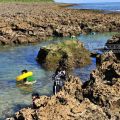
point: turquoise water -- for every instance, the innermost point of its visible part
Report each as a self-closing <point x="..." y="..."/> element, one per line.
<point x="114" y="6"/>
<point x="14" y="59"/>
<point x="92" y="42"/>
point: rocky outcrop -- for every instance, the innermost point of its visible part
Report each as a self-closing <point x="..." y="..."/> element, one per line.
<point x="103" y="89"/>
<point x="67" y="104"/>
<point x="70" y="52"/>
<point x="108" y="64"/>
<point x="106" y="96"/>
<point x="77" y="101"/>
<point x="29" y="23"/>
<point x="75" y="104"/>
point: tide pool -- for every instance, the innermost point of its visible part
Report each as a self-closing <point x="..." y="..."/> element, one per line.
<point x="13" y="60"/>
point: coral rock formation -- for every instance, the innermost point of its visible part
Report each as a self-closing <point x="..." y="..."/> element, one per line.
<point x="70" y="52"/>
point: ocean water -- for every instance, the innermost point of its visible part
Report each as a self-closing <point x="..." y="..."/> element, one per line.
<point x="93" y="42"/>
<point x="14" y="96"/>
<point x="114" y="6"/>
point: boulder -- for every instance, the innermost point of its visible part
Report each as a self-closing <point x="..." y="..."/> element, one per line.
<point x="71" y="51"/>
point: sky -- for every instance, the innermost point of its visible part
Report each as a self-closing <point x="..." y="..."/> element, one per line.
<point x="86" y="1"/>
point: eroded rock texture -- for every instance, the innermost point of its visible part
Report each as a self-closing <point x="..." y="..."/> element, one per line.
<point x="30" y="23"/>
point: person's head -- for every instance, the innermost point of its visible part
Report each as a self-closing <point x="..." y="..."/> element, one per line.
<point x="35" y="95"/>
<point x="24" y="71"/>
<point x="65" y="56"/>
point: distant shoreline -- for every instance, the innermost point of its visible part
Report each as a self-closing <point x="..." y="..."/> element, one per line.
<point x="114" y="7"/>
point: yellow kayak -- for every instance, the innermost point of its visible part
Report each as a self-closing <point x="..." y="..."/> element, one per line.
<point x="24" y="75"/>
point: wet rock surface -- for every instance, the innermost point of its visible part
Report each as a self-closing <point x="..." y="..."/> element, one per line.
<point x="70" y="54"/>
<point x="64" y="105"/>
<point x="68" y="105"/>
<point x="103" y="88"/>
<point x="113" y="44"/>
<point x="103" y="103"/>
<point x="22" y="23"/>
<point x="114" y="40"/>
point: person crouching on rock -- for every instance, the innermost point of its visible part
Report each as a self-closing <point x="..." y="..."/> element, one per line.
<point x="57" y="85"/>
<point x="59" y="78"/>
<point x="34" y="97"/>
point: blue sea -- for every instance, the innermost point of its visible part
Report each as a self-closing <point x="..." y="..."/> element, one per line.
<point x="114" y="6"/>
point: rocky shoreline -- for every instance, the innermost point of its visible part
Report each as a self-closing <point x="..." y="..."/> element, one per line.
<point x="22" y="23"/>
<point x="98" y="98"/>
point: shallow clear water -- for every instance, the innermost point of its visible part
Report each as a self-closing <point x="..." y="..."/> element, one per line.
<point x="92" y="42"/>
<point x="115" y="6"/>
<point x="14" y="59"/>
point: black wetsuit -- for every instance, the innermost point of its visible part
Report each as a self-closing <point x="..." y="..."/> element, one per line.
<point x="58" y="81"/>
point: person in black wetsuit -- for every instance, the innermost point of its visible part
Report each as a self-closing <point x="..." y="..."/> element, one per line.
<point x="59" y="78"/>
<point x="60" y="74"/>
